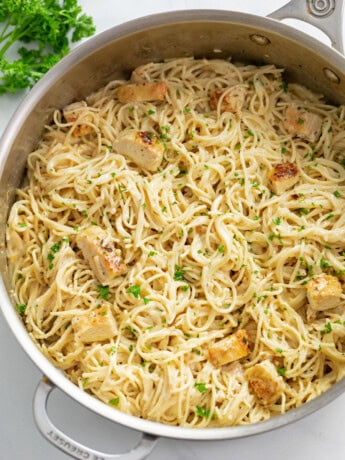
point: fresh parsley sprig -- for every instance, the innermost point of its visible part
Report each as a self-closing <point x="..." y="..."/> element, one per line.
<point x="45" y="25"/>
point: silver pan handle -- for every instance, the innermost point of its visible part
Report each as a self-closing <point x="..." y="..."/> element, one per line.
<point x="327" y="15"/>
<point x="74" y="448"/>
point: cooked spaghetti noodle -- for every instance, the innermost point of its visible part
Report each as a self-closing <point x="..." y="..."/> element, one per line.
<point x="209" y="248"/>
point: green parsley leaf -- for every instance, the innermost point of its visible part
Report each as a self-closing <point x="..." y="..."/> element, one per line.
<point x="302" y="211"/>
<point x="324" y="264"/>
<point x="337" y="194"/>
<point x="21" y="308"/>
<point x="221" y="248"/>
<point x="186" y="109"/>
<point x="327" y="329"/>
<point x="329" y="216"/>
<point x="151" y="112"/>
<point x="185" y="288"/>
<point x="152" y="253"/>
<point x="300" y="121"/>
<point x="281" y="371"/>
<point x="146" y="300"/>
<point x="134" y="290"/>
<point x="46" y="28"/>
<point x="283" y="150"/>
<point x="103" y="292"/>
<point x="202" y="412"/>
<point x="114" y="402"/>
<point x="200" y="387"/>
<point x="277" y="221"/>
<point x="284" y="86"/>
<point x="131" y="330"/>
<point x="279" y="350"/>
<point x="179" y="273"/>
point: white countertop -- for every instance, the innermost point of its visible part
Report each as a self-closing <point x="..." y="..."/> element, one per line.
<point x="316" y="437"/>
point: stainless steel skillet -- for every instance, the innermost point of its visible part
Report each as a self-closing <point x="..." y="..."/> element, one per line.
<point x="112" y="54"/>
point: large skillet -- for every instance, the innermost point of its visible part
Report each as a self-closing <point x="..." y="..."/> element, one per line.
<point x="114" y="54"/>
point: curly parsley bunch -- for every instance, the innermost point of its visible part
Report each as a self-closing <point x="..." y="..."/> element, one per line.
<point x="45" y="25"/>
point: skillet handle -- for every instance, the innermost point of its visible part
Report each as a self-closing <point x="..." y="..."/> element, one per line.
<point x="326" y="15"/>
<point x="73" y="448"/>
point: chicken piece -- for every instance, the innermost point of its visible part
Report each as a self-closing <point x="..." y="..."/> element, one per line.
<point x="95" y="326"/>
<point x="229" y="349"/>
<point x="282" y="177"/>
<point x="100" y="252"/>
<point x="138" y="75"/>
<point x="143" y="148"/>
<point x="301" y="123"/>
<point x="71" y="114"/>
<point x="142" y="92"/>
<point x="232" y="101"/>
<point x="265" y="382"/>
<point x="323" y="292"/>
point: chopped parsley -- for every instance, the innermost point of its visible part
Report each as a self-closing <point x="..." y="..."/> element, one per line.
<point x="337" y="194"/>
<point x="21" y="308"/>
<point x="284" y="86"/>
<point x="103" y="292"/>
<point x="202" y="412"/>
<point x="281" y="371"/>
<point x="179" y="273"/>
<point x="250" y="132"/>
<point x="152" y="253"/>
<point x="200" y="387"/>
<point x="151" y="112"/>
<point x="302" y="211"/>
<point x="283" y="150"/>
<point x="131" y="347"/>
<point x="327" y="329"/>
<point x="135" y="290"/>
<point x="146" y="300"/>
<point x="221" y="248"/>
<point x="324" y="264"/>
<point x="329" y="216"/>
<point x="277" y="221"/>
<point x="255" y="184"/>
<point x="121" y="190"/>
<point x="186" y="109"/>
<point x="114" y="402"/>
<point x="279" y="350"/>
<point x="131" y="330"/>
<point x="185" y="288"/>
<point x="300" y="121"/>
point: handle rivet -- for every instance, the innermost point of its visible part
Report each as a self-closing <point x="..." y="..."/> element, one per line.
<point x="331" y="75"/>
<point x="260" y="39"/>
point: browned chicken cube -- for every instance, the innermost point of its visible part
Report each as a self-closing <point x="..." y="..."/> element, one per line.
<point x="142" y="92"/>
<point x="144" y="148"/>
<point x="99" y="251"/>
<point x="232" y="101"/>
<point x="94" y="326"/>
<point x="282" y="177"/>
<point x="71" y="114"/>
<point x="303" y="124"/>
<point x="324" y="292"/>
<point x="229" y="349"/>
<point x="264" y="380"/>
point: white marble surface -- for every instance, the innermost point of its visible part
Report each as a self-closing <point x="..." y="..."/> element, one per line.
<point x="317" y="437"/>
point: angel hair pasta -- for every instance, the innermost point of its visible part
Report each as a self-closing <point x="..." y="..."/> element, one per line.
<point x="178" y="246"/>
